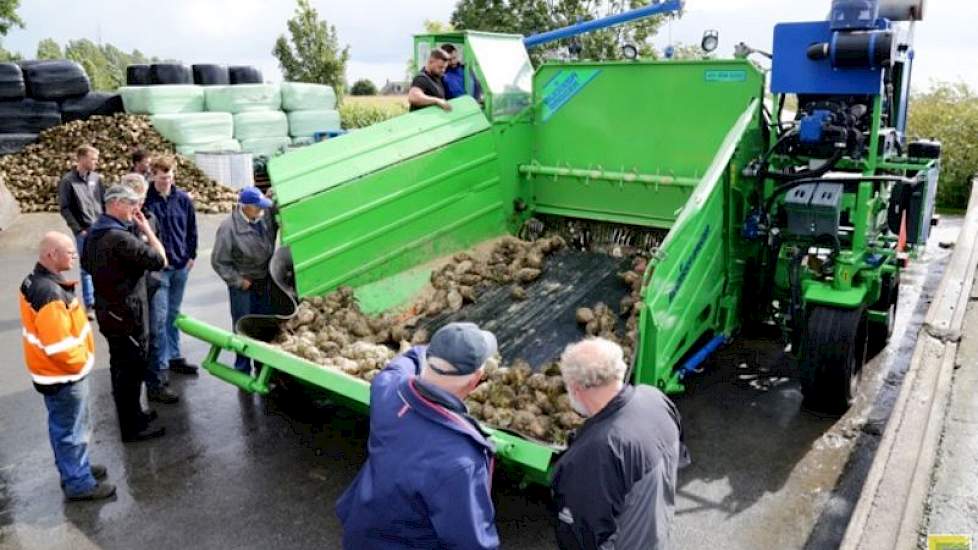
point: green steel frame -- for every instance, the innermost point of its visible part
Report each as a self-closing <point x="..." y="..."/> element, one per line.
<point x="654" y="144"/>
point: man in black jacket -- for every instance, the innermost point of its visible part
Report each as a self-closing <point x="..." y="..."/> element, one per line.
<point x="615" y="487"/>
<point x="80" y="199"/>
<point x="118" y="261"/>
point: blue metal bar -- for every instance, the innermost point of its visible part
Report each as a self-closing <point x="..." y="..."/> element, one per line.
<point x="656" y="8"/>
<point x="700" y="356"/>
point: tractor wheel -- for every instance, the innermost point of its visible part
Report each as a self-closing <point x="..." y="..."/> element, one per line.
<point x="879" y="333"/>
<point x="833" y="354"/>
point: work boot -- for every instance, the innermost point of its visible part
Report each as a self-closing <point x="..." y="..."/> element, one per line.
<point x="102" y="489"/>
<point x="182" y="366"/>
<point x="162" y="395"/>
<point x="145" y="435"/>
<point x="99" y="472"/>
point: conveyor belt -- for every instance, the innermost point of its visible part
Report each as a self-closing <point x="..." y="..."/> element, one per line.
<point x="537" y="329"/>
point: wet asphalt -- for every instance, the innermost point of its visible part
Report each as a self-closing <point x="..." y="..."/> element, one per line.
<point x="242" y="471"/>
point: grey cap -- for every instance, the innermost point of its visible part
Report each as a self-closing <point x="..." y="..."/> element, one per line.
<point x="464" y="345"/>
<point x="122" y="192"/>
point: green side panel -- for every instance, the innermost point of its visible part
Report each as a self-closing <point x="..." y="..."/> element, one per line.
<point x="687" y="282"/>
<point x="311" y="170"/>
<point x="533" y="458"/>
<point x="379" y="201"/>
<point x="644" y="118"/>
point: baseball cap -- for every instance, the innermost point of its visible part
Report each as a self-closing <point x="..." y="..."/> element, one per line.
<point x="122" y="192"/>
<point x="253" y="196"/>
<point x="464" y="345"/>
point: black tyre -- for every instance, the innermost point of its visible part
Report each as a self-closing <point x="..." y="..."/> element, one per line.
<point x="55" y="80"/>
<point x="28" y="116"/>
<point x="244" y="74"/>
<point x="11" y="82"/>
<point x="138" y="75"/>
<point x="169" y="73"/>
<point x="833" y="353"/>
<point x="93" y="103"/>
<point x="210" y="75"/>
<point x="878" y="334"/>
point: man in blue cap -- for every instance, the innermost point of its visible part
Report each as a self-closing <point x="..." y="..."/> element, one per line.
<point x="243" y="248"/>
<point x="427" y="480"/>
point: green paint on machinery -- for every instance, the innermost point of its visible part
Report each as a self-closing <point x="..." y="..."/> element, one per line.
<point x="678" y="146"/>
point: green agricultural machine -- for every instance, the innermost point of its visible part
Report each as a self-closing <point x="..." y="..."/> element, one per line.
<point x="749" y="218"/>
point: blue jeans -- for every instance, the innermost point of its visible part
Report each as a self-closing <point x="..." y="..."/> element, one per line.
<point x="255" y="300"/>
<point x="165" y="337"/>
<point x="88" y="290"/>
<point x="158" y="371"/>
<point x="68" y="430"/>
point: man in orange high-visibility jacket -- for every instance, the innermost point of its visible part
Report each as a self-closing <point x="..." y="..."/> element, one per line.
<point x="59" y="350"/>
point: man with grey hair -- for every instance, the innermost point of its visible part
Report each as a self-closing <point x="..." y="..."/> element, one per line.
<point x="630" y="447"/>
<point x="118" y="261"/>
<point x="426" y="482"/>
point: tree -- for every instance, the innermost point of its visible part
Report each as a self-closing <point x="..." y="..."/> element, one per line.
<point x="363" y="87"/>
<point x="9" y="17"/>
<point x="314" y="54"/>
<point x="528" y="17"/>
<point x="49" y="49"/>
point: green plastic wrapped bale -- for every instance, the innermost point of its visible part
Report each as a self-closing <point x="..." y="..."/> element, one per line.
<point x="159" y="100"/>
<point x="242" y="98"/>
<point x="307" y="123"/>
<point x="194" y="128"/>
<point x="302" y="96"/>
<point x="303" y="141"/>
<point x="265" y="147"/>
<point x="231" y="145"/>
<point x="260" y="124"/>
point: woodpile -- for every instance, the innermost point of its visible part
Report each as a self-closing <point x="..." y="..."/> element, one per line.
<point x="33" y="174"/>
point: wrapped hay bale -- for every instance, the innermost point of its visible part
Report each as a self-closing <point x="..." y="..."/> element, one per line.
<point x="90" y="104"/>
<point x="307" y="123"/>
<point x="55" y="80"/>
<point x="302" y="96"/>
<point x="161" y="100"/>
<point x="227" y="145"/>
<point x="194" y="128"/>
<point x="265" y="147"/>
<point x="260" y="124"/>
<point x="242" y="98"/>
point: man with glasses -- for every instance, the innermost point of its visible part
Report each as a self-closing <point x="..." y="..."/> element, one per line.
<point x="118" y="261"/>
<point x="59" y="351"/>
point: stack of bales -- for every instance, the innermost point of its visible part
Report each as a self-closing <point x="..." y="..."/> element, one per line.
<point x="311" y="108"/>
<point x="231" y="110"/>
<point x="36" y="95"/>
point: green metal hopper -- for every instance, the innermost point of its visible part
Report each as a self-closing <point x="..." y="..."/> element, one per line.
<point x="641" y="144"/>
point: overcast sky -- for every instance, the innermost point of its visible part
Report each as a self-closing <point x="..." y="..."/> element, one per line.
<point x="379" y="31"/>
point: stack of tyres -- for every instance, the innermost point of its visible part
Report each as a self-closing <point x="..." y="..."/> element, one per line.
<point x="21" y="119"/>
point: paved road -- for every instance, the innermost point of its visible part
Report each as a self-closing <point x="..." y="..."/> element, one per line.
<point x="239" y="471"/>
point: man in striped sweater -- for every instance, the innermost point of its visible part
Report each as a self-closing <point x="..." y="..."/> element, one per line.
<point x="59" y="350"/>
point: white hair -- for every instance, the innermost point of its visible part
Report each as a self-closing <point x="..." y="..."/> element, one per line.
<point x="449" y="382"/>
<point x="136" y="182"/>
<point x="593" y="363"/>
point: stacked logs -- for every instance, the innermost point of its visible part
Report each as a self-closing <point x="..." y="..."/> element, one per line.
<point x="33" y="174"/>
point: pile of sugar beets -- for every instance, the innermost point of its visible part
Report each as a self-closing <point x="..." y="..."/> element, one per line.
<point x="333" y="332"/>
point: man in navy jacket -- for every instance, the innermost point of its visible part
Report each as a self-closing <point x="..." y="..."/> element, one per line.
<point x="427" y="480"/>
<point x="174" y="211"/>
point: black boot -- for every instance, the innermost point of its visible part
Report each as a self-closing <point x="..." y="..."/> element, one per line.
<point x="181" y="366"/>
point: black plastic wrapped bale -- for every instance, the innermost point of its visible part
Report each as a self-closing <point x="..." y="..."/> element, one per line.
<point x="138" y="75"/>
<point x="15" y="143"/>
<point x="170" y="73"/>
<point x="211" y="75"/>
<point x="28" y="116"/>
<point x="55" y="80"/>
<point x="244" y="74"/>
<point x="92" y="103"/>
<point x="11" y="82"/>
